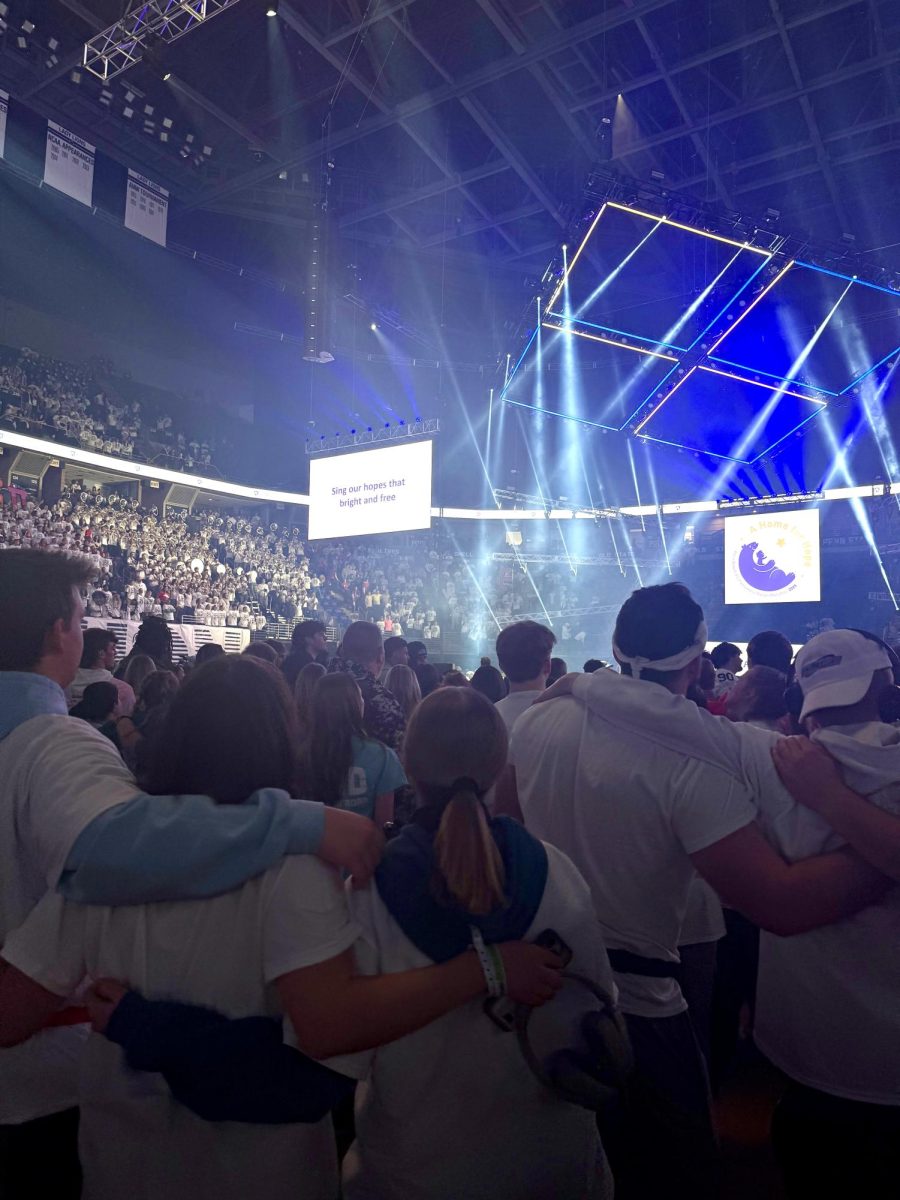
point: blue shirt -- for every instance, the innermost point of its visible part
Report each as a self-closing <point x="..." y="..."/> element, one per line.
<point x="376" y="770"/>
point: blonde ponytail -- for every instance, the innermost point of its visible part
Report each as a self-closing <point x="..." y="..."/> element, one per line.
<point x="466" y="856"/>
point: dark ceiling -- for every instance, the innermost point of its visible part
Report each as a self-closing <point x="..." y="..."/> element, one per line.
<point x="466" y="128"/>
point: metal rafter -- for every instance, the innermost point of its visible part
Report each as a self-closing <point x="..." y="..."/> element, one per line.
<point x="703" y="150"/>
<point x="825" y="9"/>
<point x="809" y="117"/>
<point x="301" y="26"/>
<point x="761" y="103"/>
<point x="428" y="192"/>
<point x="426" y="101"/>
<point x="540" y="74"/>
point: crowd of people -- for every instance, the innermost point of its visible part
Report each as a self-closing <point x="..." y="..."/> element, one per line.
<point x="565" y="907"/>
<point x="86" y="404"/>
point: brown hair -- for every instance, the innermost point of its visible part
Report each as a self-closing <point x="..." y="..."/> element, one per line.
<point x="455" y="747"/>
<point x="229" y="731"/>
<point x="263" y="651"/>
<point x="335" y="718"/>
<point x="36" y="590"/>
<point x="95" y="643"/>
<point x="523" y="648"/>
<point x="304" y="687"/>
<point x="403" y="684"/>
<point x="361" y="643"/>
<point x="455" y="678"/>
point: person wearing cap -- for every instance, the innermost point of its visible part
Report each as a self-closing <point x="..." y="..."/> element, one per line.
<point x="828" y="1002"/>
<point x="641" y="788"/>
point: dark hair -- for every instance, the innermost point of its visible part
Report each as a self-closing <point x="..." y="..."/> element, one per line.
<point x="455" y="679"/>
<point x="770" y="649"/>
<point x="36" y="590"/>
<point x="97" y="703"/>
<point x="723" y="653"/>
<point x="429" y="678"/>
<point x="489" y="682"/>
<point x="523" y="648"/>
<point x="416" y="650"/>
<point x="279" y="647"/>
<point x="335" y="719"/>
<point x="95" y="643"/>
<point x="207" y="652"/>
<point x="657" y="622"/>
<point x="361" y="643"/>
<point x="305" y="629"/>
<point x="262" y="651"/>
<point x="393" y="643"/>
<point x="154" y="638"/>
<point x="558" y="668"/>
<point x="229" y="731"/>
<point x="594" y="664"/>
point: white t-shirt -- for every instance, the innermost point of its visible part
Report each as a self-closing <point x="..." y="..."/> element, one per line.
<point x="56" y="775"/>
<point x="828" y="1001"/>
<point x="512" y="706"/>
<point x="224" y="952"/>
<point x="628" y="813"/>
<point x="452" y="1112"/>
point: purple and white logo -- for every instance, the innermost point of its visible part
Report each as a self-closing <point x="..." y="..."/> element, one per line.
<point x="765" y="575"/>
<point x="772" y="558"/>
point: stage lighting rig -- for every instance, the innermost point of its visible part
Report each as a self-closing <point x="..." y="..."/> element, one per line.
<point x="123" y="44"/>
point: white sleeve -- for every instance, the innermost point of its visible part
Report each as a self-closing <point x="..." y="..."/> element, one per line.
<point x="708" y="805"/>
<point x="74" y="773"/>
<point x="49" y="946"/>
<point x="307" y="920"/>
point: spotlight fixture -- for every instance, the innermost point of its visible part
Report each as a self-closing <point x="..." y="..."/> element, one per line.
<point x="373" y="327"/>
<point x="271" y="11"/>
<point x="28" y="26"/>
<point x="772" y="214"/>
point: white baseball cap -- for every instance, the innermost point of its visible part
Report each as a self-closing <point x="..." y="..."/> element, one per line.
<point x="835" y="669"/>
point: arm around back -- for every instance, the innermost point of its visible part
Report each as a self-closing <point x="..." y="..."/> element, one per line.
<point x="787" y="898"/>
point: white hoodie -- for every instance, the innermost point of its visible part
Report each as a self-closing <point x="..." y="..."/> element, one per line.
<point x="828" y="1001"/>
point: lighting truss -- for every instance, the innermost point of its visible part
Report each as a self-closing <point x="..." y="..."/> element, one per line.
<point x="371" y="437"/>
<point x="553" y="507"/>
<point x="120" y="46"/>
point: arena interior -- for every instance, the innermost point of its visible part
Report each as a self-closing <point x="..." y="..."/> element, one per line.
<point x="368" y="368"/>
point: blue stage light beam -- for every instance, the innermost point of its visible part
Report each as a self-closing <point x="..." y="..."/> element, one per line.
<point x="841" y="468"/>
<point x="871" y="395"/>
<point x="739" y="450"/>
<point x="472" y="576"/>
<point x="662" y="531"/>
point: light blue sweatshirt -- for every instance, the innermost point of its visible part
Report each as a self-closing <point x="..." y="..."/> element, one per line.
<point x="166" y="847"/>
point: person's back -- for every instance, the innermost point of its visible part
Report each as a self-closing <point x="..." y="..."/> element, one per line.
<point x="229" y="733"/>
<point x="523" y="651"/>
<point x="461" y="1082"/>
<point x="828" y="1001"/>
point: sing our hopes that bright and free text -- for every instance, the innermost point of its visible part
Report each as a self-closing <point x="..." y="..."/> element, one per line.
<point x="358" y="494"/>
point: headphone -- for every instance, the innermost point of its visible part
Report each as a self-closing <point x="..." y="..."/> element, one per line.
<point x="590" y="1078"/>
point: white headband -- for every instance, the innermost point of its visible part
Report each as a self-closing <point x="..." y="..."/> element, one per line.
<point x="673" y="663"/>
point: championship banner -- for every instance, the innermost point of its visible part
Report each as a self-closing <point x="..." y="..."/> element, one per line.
<point x="69" y="164"/>
<point x="146" y="208"/>
<point x="4" y="109"/>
